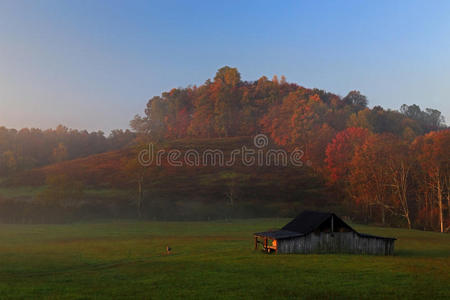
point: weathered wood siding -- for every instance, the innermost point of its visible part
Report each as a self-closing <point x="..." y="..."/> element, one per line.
<point x="338" y="242"/>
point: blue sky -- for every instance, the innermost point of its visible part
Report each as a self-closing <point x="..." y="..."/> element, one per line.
<point x="94" y="64"/>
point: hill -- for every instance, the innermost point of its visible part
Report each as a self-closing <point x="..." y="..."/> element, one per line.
<point x="187" y="192"/>
<point x="375" y="165"/>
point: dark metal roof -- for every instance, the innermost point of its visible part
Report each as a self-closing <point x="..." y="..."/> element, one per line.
<point x="308" y="221"/>
<point x="279" y="234"/>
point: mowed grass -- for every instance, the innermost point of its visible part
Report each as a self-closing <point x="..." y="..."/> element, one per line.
<point x="125" y="259"/>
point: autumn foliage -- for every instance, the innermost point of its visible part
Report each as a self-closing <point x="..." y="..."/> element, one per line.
<point x="386" y="166"/>
<point x="376" y="165"/>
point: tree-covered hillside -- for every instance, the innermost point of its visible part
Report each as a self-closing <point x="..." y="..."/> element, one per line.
<point x="372" y="164"/>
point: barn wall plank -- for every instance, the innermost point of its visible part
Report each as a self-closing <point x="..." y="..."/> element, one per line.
<point x="337" y="242"/>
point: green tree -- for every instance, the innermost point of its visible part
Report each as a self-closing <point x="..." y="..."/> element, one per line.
<point x="60" y="153"/>
<point x="356" y="100"/>
<point x="9" y="161"/>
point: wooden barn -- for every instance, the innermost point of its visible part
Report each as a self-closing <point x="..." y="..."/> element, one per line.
<point x="319" y="232"/>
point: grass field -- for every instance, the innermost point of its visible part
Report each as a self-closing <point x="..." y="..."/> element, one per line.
<point x="125" y="259"/>
<point x="33" y="191"/>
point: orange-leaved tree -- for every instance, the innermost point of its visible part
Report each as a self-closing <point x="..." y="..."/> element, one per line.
<point x="433" y="154"/>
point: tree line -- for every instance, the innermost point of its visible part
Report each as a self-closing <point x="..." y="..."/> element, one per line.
<point x="227" y="106"/>
<point x="384" y="177"/>
<point x="30" y="148"/>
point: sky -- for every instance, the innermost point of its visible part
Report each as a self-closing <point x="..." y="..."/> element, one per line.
<point x="94" y="64"/>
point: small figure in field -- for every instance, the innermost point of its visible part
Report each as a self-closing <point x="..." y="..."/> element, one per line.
<point x="168" y="250"/>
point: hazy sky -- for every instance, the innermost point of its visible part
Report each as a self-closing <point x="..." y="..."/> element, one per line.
<point x="94" y="64"/>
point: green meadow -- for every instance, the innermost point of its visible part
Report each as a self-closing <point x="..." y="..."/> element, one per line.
<point x="126" y="259"/>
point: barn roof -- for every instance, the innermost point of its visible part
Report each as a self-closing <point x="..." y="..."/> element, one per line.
<point x="307" y="222"/>
<point x="279" y="234"/>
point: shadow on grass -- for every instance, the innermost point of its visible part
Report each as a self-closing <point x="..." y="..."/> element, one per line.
<point x="424" y="253"/>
